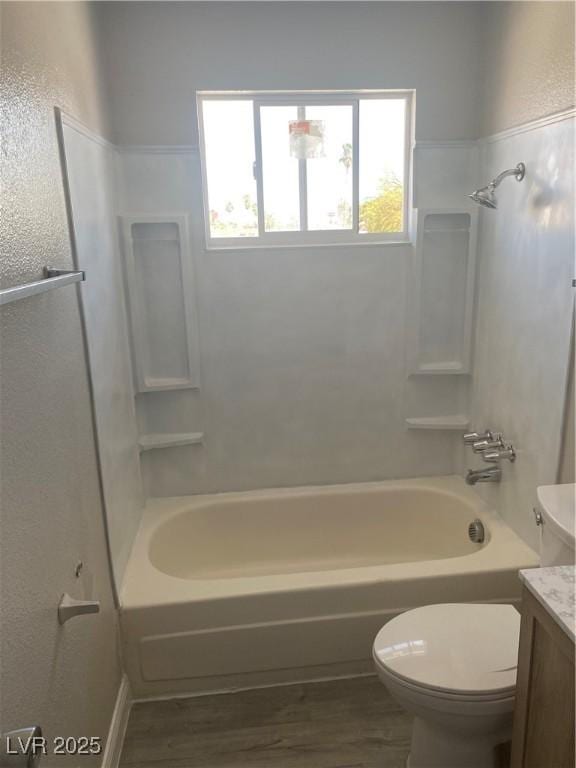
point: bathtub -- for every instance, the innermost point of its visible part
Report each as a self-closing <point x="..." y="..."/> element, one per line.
<point x="234" y="590"/>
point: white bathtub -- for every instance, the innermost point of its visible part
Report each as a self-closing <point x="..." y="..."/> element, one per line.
<point x="241" y="589"/>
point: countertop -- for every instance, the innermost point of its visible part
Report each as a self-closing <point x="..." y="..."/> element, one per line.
<point x="554" y="589"/>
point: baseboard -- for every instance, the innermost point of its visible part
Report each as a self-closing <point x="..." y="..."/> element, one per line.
<point x="118" y="724"/>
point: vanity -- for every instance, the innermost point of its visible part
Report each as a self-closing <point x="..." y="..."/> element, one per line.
<point x="543" y="731"/>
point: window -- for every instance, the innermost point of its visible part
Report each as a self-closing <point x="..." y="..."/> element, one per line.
<point x="305" y="167"/>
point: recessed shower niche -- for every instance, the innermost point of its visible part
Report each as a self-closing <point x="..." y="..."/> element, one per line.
<point x="440" y="319"/>
<point x="443" y="286"/>
<point x="160" y="288"/>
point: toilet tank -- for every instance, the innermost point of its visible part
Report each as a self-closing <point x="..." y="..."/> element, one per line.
<point x="557" y="508"/>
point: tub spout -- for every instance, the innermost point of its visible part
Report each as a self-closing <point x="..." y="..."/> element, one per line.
<point x="488" y="475"/>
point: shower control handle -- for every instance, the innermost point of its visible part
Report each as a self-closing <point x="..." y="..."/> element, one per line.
<point x="495" y="444"/>
<point x="474" y="437"/>
<point x="493" y="457"/>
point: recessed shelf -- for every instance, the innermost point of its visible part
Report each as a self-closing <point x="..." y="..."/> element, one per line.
<point x="160" y="285"/>
<point x="159" y="440"/>
<point x="438" y="422"/>
<point x="442" y="288"/>
<point x="159" y="385"/>
<point x="434" y="369"/>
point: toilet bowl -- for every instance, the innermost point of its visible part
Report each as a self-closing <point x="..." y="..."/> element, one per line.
<point x="453" y="666"/>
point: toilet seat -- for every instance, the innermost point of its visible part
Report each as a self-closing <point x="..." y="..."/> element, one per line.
<point x="456" y="697"/>
<point x="454" y="651"/>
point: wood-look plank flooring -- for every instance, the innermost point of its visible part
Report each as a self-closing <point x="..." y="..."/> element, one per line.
<point x="351" y="723"/>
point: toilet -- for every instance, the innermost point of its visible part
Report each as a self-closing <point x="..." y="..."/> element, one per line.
<point x="453" y="665"/>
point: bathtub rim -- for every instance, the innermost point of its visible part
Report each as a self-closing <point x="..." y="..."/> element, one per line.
<point x="145" y="585"/>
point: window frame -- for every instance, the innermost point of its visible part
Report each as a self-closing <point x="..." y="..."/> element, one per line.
<point x="305" y="237"/>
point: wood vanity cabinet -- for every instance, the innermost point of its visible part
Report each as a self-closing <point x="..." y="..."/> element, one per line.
<point x="543" y="733"/>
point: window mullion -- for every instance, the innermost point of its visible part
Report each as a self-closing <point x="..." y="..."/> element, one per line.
<point x="356" y="166"/>
<point x="258" y="170"/>
<point x="302" y="182"/>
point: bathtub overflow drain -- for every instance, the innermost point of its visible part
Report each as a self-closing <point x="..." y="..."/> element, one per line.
<point x="476" y="531"/>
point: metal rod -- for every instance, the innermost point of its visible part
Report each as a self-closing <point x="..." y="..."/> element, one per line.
<point x="54" y="278"/>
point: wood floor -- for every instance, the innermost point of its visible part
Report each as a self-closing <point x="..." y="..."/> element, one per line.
<point x="338" y="724"/>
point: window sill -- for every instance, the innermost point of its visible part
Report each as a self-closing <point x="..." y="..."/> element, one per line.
<point x="301" y="246"/>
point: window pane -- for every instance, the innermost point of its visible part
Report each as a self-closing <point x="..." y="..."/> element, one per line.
<point x="329" y="178"/>
<point x="280" y="171"/>
<point x="381" y="182"/>
<point x="229" y="141"/>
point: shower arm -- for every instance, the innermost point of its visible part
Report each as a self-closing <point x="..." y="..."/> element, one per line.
<point x="518" y="172"/>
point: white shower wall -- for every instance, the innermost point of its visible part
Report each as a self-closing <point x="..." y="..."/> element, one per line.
<point x="302" y="361"/>
<point x="91" y="177"/>
<point x="302" y="354"/>
<point x="524" y="316"/>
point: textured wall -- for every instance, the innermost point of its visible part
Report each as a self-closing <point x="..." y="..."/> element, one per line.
<point x="529" y="62"/>
<point x="65" y="678"/>
<point x="158" y="54"/>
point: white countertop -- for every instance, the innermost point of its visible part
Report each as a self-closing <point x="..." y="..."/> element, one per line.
<point x="554" y="589"/>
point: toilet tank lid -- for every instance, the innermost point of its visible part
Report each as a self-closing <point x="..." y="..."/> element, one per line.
<point x="558" y="505"/>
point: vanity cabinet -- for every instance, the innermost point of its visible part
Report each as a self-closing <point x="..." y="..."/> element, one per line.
<point x="543" y="733"/>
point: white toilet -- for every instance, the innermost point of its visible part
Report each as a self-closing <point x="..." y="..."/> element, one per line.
<point x="454" y="665"/>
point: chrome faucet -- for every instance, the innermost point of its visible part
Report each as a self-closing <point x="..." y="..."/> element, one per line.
<point x="486" y="475"/>
<point x="473" y="437"/>
<point x="494" y="444"/>
<point x="505" y="452"/>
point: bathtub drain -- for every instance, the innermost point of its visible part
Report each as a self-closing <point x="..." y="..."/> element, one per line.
<point x="476" y="531"/>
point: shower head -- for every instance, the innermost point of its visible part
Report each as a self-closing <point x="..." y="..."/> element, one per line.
<point x="486" y="196"/>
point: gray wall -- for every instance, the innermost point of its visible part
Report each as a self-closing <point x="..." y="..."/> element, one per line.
<point x="64" y="678"/>
<point x="158" y="55"/>
<point x="529" y="62"/>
